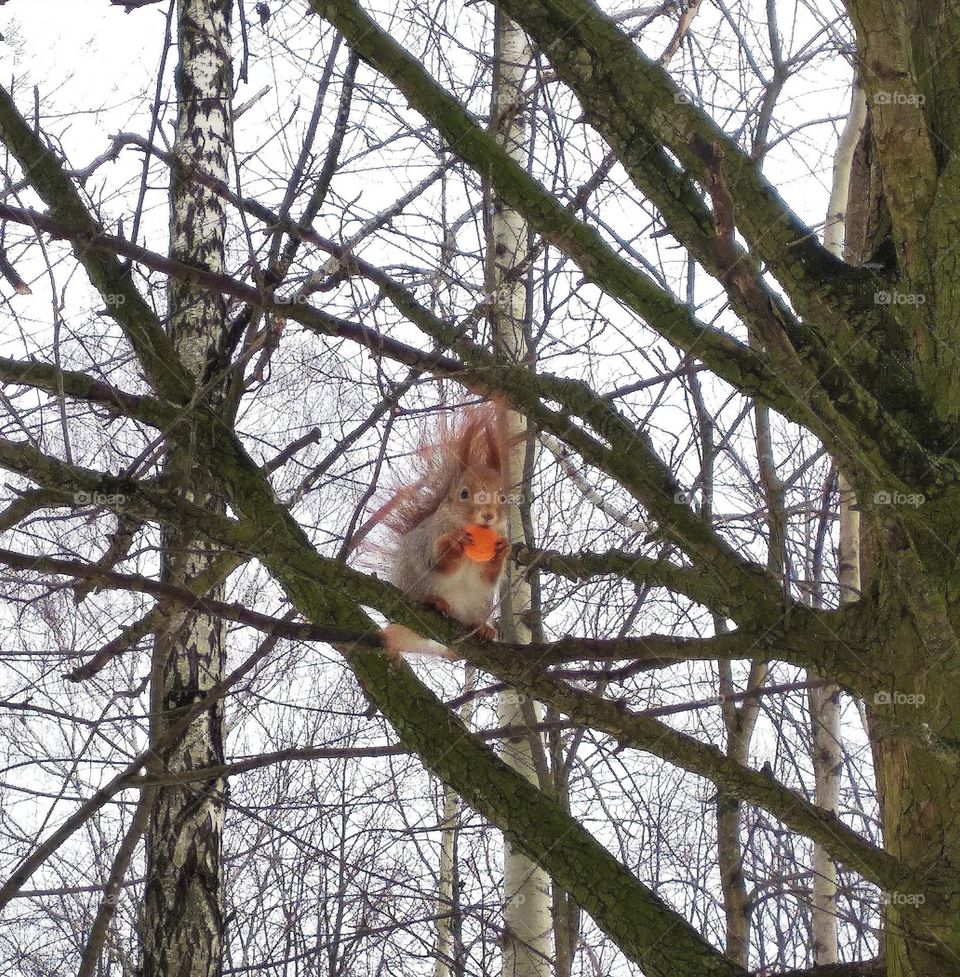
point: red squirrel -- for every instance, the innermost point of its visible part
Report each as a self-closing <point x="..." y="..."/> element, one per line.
<point x="449" y="528"/>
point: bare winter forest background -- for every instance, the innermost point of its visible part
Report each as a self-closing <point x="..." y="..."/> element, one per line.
<point x="342" y="854"/>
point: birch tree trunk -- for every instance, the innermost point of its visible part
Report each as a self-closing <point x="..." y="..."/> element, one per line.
<point x="183" y="916"/>
<point x="447" y="900"/>
<point x="527" y="906"/>
<point x="825" y="700"/>
<point x="449" y="945"/>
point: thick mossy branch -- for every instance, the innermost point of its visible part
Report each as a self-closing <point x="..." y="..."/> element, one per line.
<point x="155" y="502"/>
<point x="632" y="100"/>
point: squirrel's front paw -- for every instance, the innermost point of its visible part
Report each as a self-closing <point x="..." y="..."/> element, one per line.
<point x="460" y="538"/>
<point x="438" y="604"/>
<point x="450" y="548"/>
<point x="487" y="632"/>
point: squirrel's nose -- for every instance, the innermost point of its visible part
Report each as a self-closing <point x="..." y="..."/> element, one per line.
<point x="487" y="517"/>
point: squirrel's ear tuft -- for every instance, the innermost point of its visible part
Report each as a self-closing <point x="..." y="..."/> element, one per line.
<point x="479" y="438"/>
<point x="494" y="452"/>
<point x="465" y="443"/>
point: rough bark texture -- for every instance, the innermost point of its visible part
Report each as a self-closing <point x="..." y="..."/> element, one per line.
<point x="916" y="617"/>
<point x="183" y="915"/>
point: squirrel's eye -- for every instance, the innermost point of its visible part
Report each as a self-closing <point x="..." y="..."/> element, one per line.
<point x="502" y="499"/>
<point x="464" y="494"/>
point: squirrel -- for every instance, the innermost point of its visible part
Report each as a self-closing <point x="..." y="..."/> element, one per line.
<point x="449" y="528"/>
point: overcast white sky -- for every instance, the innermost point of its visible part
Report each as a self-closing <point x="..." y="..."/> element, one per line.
<point x="106" y="56"/>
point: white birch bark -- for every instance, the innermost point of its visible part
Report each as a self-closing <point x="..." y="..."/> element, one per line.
<point x="527" y="905"/>
<point x="447" y="949"/>
<point x="825" y="701"/>
<point x="446" y="893"/>
<point x="183" y="911"/>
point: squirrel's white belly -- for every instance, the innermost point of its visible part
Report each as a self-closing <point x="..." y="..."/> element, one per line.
<point x="467" y="591"/>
